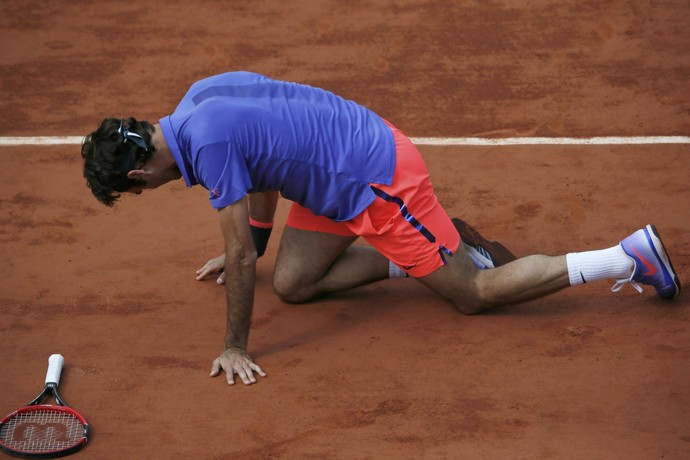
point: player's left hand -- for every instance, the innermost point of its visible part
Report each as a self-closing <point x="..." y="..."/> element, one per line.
<point x="213" y="266"/>
<point x="236" y="361"/>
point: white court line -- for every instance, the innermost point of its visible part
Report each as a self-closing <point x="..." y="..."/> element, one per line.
<point x="42" y="140"/>
<point x="552" y="140"/>
<point x="466" y="141"/>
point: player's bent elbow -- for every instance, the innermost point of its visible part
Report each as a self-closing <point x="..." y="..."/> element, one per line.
<point x="245" y="256"/>
<point x="250" y="258"/>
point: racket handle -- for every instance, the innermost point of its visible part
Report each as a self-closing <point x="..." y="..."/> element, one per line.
<point x="55" y="363"/>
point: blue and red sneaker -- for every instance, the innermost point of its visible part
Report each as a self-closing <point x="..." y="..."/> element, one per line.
<point x="652" y="264"/>
<point x="484" y="253"/>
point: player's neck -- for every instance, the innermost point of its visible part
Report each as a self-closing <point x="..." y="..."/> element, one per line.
<point x="164" y="159"/>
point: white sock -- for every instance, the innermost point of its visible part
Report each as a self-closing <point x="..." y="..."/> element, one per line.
<point x="611" y="263"/>
<point x="396" y="272"/>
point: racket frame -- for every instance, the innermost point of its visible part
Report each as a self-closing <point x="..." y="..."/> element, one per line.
<point x="50" y="389"/>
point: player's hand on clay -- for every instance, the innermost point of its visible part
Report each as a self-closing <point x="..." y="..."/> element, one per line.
<point x="235" y="361"/>
<point x="213" y="266"/>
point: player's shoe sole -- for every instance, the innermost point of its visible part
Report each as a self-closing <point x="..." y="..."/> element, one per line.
<point x="494" y="251"/>
<point x="652" y="264"/>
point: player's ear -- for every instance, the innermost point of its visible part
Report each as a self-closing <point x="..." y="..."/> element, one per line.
<point x="138" y="174"/>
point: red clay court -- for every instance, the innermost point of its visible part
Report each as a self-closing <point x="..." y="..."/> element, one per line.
<point x="384" y="372"/>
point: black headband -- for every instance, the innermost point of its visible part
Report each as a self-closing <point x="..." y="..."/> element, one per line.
<point x="130" y="136"/>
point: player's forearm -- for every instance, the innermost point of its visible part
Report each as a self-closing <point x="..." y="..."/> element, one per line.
<point x="240" y="270"/>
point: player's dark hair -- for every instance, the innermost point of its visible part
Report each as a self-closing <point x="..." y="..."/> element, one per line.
<point x="113" y="150"/>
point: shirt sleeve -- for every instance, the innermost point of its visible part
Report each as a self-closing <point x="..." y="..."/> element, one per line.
<point x="223" y="171"/>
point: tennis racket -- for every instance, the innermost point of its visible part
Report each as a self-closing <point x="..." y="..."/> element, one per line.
<point x="42" y="430"/>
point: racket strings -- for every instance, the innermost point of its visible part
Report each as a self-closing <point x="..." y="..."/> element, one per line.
<point x="42" y="430"/>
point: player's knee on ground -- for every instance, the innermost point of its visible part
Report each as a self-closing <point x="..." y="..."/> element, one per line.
<point x="470" y="305"/>
<point x="479" y="297"/>
<point x="288" y="288"/>
<point x="462" y="284"/>
<point x="473" y="296"/>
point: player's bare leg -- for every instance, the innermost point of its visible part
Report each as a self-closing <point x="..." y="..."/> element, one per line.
<point x="472" y="290"/>
<point x="311" y="264"/>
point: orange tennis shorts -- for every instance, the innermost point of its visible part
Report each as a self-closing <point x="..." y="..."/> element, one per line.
<point x="405" y="223"/>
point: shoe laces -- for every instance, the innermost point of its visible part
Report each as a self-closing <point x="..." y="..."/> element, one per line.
<point x="622" y="282"/>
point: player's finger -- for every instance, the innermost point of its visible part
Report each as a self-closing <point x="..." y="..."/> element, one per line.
<point x="230" y="375"/>
<point x="249" y="375"/>
<point x="202" y="273"/>
<point x="255" y="367"/>
<point x="210" y="267"/>
<point x="215" y="367"/>
<point x="246" y="375"/>
<point x="221" y="278"/>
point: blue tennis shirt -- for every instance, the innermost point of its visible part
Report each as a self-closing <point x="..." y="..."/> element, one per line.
<point x="241" y="132"/>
